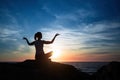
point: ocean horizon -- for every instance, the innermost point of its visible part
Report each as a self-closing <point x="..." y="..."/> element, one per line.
<point x="88" y="67"/>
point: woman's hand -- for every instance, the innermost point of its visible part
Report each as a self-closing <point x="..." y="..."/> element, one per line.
<point x="24" y="38"/>
<point x="57" y="34"/>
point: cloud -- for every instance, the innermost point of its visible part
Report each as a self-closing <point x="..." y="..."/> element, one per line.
<point x="84" y="26"/>
<point x="71" y="17"/>
<point x="9" y="34"/>
<point x="89" y="38"/>
<point x="9" y="27"/>
<point x="101" y="26"/>
<point x="76" y="15"/>
<point x="79" y="35"/>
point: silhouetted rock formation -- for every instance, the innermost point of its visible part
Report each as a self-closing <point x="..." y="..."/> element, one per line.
<point x="108" y="72"/>
<point x="47" y="70"/>
<point x="33" y="70"/>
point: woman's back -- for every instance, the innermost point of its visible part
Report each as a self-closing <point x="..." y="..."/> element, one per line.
<point x="39" y="47"/>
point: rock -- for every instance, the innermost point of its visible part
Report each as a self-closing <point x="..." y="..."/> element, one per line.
<point x="33" y="70"/>
<point x="110" y="71"/>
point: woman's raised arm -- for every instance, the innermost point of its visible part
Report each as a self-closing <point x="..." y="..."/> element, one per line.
<point x="32" y="43"/>
<point x="49" y="42"/>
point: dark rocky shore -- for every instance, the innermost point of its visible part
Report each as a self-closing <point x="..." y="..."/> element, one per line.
<point x="108" y="72"/>
<point x="32" y="70"/>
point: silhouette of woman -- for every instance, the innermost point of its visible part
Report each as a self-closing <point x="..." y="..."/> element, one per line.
<point x="40" y="55"/>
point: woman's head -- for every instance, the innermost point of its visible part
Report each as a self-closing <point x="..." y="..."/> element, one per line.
<point x="38" y="36"/>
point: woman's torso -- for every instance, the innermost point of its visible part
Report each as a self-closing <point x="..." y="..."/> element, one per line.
<point x="39" y="47"/>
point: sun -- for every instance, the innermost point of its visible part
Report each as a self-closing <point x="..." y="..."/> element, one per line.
<point x="55" y="54"/>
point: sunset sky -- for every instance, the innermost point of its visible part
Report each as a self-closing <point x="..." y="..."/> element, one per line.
<point x="89" y="29"/>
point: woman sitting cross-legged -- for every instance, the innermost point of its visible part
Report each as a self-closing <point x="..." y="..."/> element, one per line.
<point x="38" y="43"/>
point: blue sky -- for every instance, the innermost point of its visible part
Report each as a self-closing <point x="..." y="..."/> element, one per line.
<point x="88" y="28"/>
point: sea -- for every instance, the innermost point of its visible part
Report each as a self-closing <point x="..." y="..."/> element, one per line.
<point x="88" y="67"/>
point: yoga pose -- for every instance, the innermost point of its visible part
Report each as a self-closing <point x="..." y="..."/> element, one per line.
<point x="39" y="46"/>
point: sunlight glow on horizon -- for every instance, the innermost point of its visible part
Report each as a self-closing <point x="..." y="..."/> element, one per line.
<point x="56" y="53"/>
